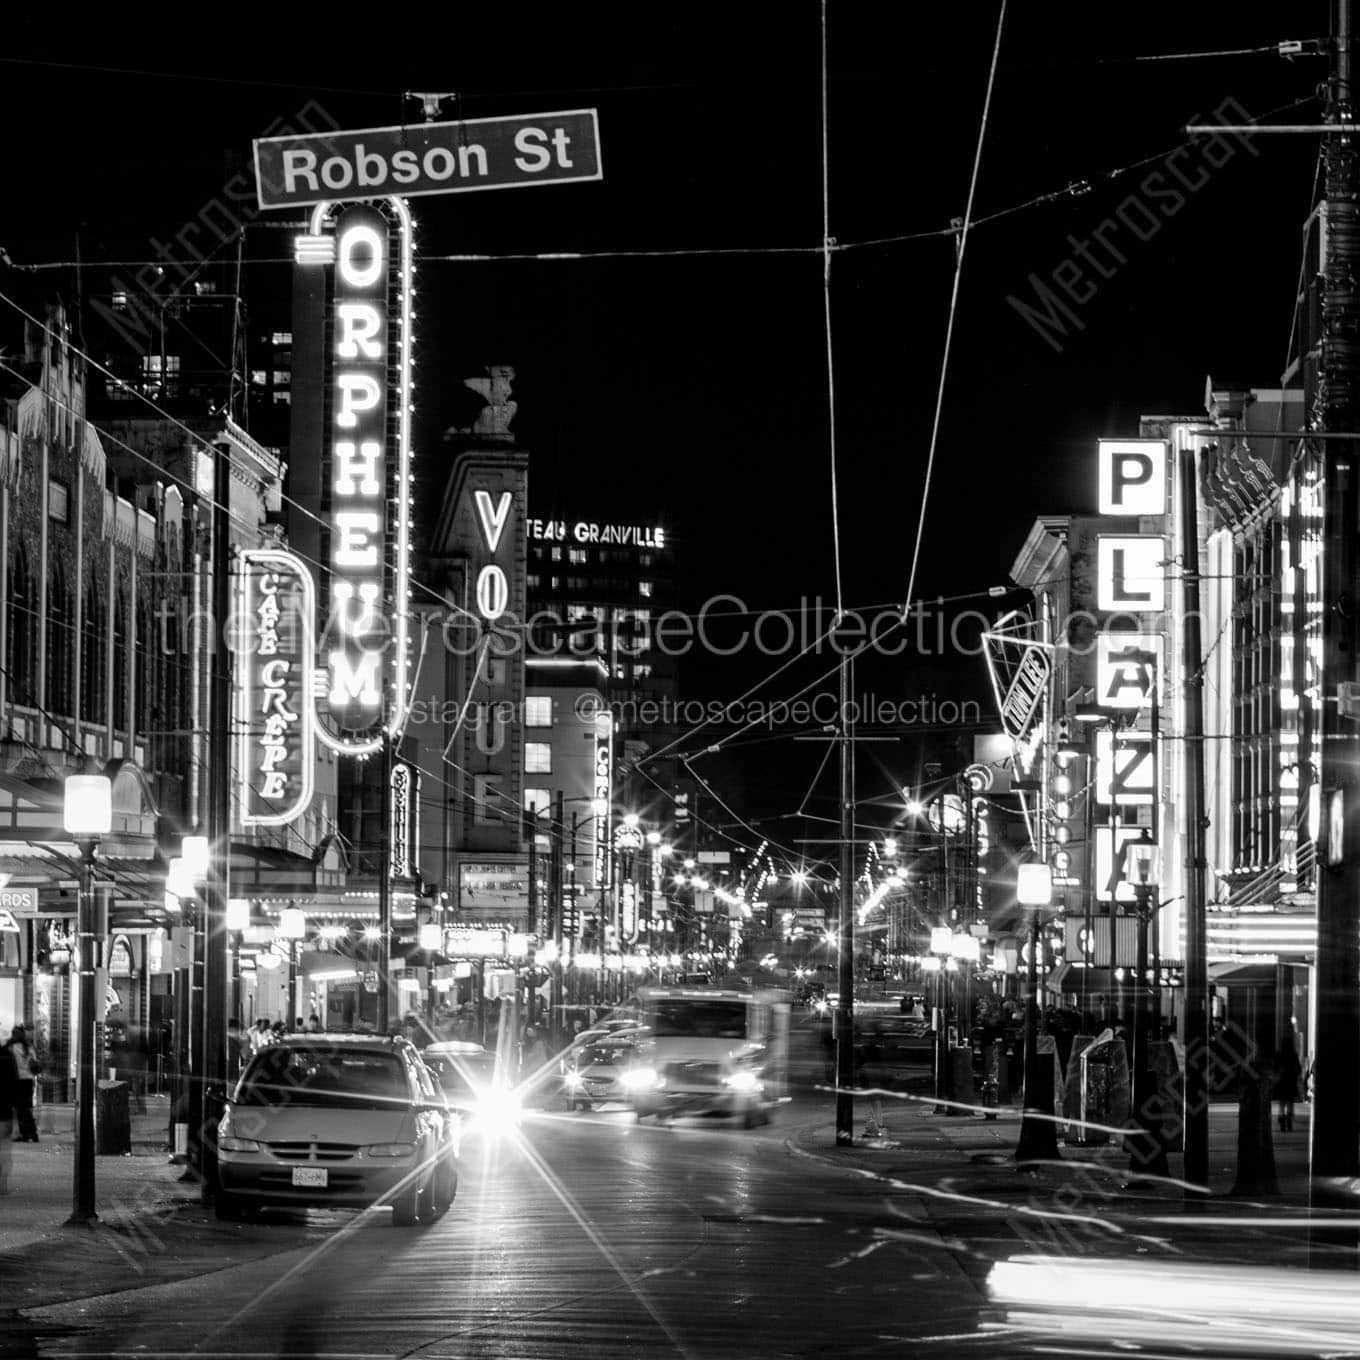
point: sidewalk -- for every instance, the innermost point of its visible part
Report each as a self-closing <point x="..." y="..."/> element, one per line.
<point x="153" y="1228"/>
<point x="41" y="1192"/>
<point x="977" y="1157"/>
<point x="150" y="1130"/>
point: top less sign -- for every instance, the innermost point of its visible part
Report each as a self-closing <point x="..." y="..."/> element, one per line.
<point x="428" y="158"/>
<point x="1132" y="477"/>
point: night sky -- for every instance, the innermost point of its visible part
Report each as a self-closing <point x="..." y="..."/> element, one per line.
<point x="689" y="388"/>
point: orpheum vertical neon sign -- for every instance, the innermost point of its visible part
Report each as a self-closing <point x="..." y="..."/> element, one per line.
<point x="364" y="644"/>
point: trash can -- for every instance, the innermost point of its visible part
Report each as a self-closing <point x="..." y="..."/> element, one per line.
<point x="113" y="1119"/>
<point x="961" y="1079"/>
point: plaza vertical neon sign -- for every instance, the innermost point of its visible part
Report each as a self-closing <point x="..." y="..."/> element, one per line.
<point x="362" y="692"/>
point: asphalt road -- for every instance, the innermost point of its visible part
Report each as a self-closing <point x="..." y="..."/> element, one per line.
<point x="593" y="1236"/>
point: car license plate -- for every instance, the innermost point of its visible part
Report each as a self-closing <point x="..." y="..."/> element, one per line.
<point x="310" y="1176"/>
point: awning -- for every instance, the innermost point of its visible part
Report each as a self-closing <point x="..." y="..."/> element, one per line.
<point x="327" y="966"/>
<point x="1233" y="974"/>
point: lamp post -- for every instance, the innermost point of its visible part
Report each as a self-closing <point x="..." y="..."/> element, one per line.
<point x="1142" y="868"/>
<point x="87" y="813"/>
<point x="941" y="941"/>
<point x="1038" y="1133"/>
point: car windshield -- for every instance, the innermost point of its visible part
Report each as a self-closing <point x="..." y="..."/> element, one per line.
<point x="462" y="1074"/>
<point x="285" y="1074"/>
<point x="703" y="1019"/>
<point x="613" y="1055"/>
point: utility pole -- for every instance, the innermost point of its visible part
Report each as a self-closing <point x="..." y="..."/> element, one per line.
<point x="385" y="889"/>
<point x="556" y="835"/>
<point x="1336" y="1099"/>
<point x="216" y="983"/>
<point x="845" y="1002"/>
<point x="1196" y="920"/>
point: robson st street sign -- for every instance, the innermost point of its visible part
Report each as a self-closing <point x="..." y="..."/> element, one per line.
<point x="429" y="158"/>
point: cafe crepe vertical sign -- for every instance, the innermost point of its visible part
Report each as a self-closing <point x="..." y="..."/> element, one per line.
<point x="275" y="613"/>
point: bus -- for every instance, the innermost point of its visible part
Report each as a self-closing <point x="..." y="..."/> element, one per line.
<point x="710" y="1050"/>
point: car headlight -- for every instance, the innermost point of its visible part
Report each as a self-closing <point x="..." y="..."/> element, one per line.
<point x="227" y="1140"/>
<point x="643" y="1079"/>
<point x="391" y="1149"/>
<point x="573" y="1080"/>
<point x="227" y="1143"/>
<point x="499" y="1108"/>
<point x="743" y="1081"/>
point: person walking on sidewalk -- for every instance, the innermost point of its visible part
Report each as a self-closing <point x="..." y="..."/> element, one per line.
<point x="1288" y="1069"/>
<point x="27" y="1067"/>
<point x="9" y="1095"/>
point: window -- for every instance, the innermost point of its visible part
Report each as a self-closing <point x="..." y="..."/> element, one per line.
<point x="645" y="589"/>
<point x="576" y="554"/>
<point x="60" y="642"/>
<point x="537" y="757"/>
<point x="142" y="652"/>
<point x="283" y="398"/>
<point x="556" y="554"/>
<point x="21" y="623"/>
<point x="282" y="377"/>
<point x="120" y="302"/>
<point x="258" y="377"/>
<point x="281" y="338"/>
<point x="92" y="628"/>
<point x="57" y="501"/>
<point x="486" y="807"/>
<point x="536" y="801"/>
<point x="120" y="663"/>
<point x="538" y="710"/>
<point x="533" y="581"/>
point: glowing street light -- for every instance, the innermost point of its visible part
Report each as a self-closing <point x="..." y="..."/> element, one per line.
<point x="1038" y="1136"/>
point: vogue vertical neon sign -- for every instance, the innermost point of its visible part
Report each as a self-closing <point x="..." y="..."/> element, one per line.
<point x="364" y="646"/>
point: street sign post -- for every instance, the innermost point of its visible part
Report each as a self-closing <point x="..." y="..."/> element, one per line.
<point x="428" y="158"/>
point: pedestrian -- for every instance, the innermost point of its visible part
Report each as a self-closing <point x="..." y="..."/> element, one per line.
<point x="26" y="1068"/>
<point x="238" y="1048"/>
<point x="534" y="1061"/>
<point x="1288" y="1069"/>
<point x="9" y="1095"/>
<point x="313" y="1023"/>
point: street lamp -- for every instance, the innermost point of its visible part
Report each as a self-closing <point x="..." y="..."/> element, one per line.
<point x="293" y="927"/>
<point x="87" y="813"/>
<point x="1038" y="1133"/>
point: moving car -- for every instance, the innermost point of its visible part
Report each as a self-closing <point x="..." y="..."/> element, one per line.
<point x="707" y="1050"/>
<point x="595" y="1071"/>
<point x="325" y="1120"/>
<point x="474" y="1083"/>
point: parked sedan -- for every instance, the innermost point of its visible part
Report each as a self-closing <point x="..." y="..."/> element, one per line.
<point x="322" y="1120"/>
<point x="596" y="1070"/>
